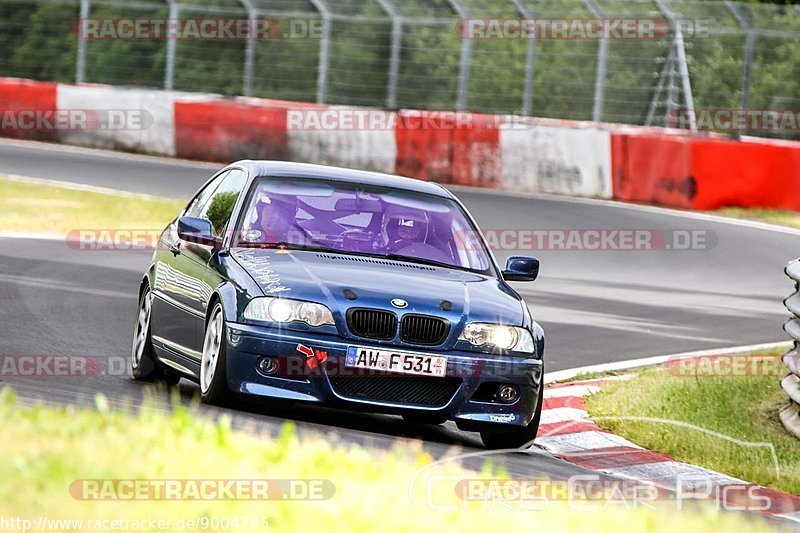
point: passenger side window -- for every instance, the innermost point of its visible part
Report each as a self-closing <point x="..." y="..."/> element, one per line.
<point x="220" y="206"/>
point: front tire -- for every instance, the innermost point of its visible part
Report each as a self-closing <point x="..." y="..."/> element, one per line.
<point x="213" y="363"/>
<point x="518" y="437"/>
<point x="144" y="365"/>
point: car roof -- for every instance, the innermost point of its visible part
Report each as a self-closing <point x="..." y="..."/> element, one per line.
<point x="258" y="169"/>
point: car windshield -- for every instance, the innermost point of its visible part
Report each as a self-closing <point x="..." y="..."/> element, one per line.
<point x="361" y="219"/>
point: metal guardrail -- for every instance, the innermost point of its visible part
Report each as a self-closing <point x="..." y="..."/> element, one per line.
<point x="790" y="415"/>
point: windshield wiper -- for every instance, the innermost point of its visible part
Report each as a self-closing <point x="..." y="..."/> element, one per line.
<point x="419" y="260"/>
<point x="282" y="245"/>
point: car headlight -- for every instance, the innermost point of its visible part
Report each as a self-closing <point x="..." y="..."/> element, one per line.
<point x="283" y="310"/>
<point x="503" y="337"/>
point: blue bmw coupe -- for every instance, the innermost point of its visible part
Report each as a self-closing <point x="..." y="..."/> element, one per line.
<point x="343" y="288"/>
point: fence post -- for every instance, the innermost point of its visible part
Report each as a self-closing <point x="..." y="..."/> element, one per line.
<point x="80" y="64"/>
<point x="172" y="40"/>
<point x="530" y="62"/>
<point x="665" y="71"/>
<point x="680" y="55"/>
<point x="749" y="44"/>
<point x="249" y="50"/>
<point x="688" y="99"/>
<point x="394" y="58"/>
<point x="324" y="50"/>
<point x="602" y="66"/>
<point x="466" y="56"/>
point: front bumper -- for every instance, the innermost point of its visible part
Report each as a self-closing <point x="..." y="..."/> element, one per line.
<point x="315" y="378"/>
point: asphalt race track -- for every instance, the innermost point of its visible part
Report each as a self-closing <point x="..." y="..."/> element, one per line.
<point x="595" y="306"/>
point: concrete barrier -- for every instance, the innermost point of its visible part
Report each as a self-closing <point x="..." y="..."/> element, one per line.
<point x="667" y="167"/>
<point x="556" y="159"/>
<point x="132" y="120"/>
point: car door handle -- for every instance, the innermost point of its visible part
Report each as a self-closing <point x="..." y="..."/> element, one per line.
<point x="175" y="248"/>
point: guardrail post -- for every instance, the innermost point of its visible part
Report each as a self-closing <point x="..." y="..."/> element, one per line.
<point x="530" y="62"/>
<point x="466" y="57"/>
<point x="324" y="49"/>
<point x="80" y="63"/>
<point x="172" y="41"/>
<point x="249" y="50"/>
<point x="394" y="57"/>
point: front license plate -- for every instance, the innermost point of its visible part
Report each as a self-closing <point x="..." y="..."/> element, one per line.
<point x="389" y="361"/>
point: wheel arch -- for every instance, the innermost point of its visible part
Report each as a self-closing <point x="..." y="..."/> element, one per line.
<point x="226" y="295"/>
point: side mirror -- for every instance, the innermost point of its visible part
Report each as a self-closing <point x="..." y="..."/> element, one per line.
<point x="519" y="268"/>
<point x="196" y="230"/>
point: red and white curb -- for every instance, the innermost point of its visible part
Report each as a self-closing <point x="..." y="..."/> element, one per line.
<point x="567" y="431"/>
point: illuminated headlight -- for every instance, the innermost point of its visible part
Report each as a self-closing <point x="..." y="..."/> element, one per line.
<point x="503" y="337"/>
<point x="283" y="310"/>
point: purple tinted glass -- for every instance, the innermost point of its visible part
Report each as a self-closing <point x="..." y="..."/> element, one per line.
<point x="361" y="219"/>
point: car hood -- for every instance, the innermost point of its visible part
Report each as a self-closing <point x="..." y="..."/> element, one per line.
<point x="333" y="279"/>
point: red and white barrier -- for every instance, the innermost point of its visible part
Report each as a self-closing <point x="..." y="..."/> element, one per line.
<point x="512" y="153"/>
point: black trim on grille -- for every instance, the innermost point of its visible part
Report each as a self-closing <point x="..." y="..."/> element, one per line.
<point x="424" y="330"/>
<point x="372" y="323"/>
<point x="392" y="388"/>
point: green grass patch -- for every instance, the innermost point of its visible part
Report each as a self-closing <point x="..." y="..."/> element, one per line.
<point x="742" y="407"/>
<point x="780" y="217"/>
<point x="44" y="450"/>
<point x="43" y="208"/>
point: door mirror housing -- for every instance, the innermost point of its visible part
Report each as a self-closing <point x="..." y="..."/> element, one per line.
<point x="520" y="268"/>
<point x="197" y="230"/>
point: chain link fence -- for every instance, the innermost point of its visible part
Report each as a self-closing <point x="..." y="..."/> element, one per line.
<point x="414" y="54"/>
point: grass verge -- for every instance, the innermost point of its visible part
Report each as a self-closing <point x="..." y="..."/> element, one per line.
<point x="743" y="407"/>
<point x="42" y="208"/>
<point x="779" y="217"/>
<point x="44" y="450"/>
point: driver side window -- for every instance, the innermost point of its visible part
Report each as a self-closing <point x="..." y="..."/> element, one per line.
<point x="199" y="203"/>
<point x="220" y="206"/>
